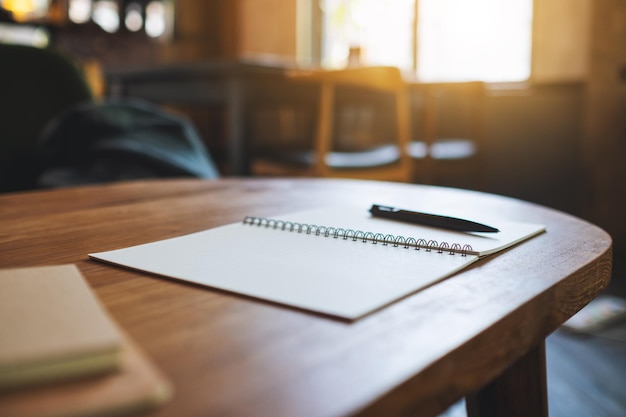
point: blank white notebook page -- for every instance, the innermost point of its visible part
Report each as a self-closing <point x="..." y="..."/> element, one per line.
<point x="335" y="276"/>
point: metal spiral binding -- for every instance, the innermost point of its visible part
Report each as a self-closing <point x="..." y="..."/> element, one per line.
<point x="355" y="235"/>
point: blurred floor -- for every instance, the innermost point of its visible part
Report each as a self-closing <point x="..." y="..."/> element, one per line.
<point x="586" y="374"/>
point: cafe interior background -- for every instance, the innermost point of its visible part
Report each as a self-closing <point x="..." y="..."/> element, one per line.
<point x="555" y="104"/>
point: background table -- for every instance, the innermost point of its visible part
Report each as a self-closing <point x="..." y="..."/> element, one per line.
<point x="478" y="334"/>
<point x="230" y="85"/>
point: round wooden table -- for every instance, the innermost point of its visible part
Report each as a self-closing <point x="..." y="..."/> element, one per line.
<point x="478" y="334"/>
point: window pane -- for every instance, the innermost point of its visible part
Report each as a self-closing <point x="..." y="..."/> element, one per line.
<point x="481" y="40"/>
<point x="457" y="40"/>
<point x="380" y="28"/>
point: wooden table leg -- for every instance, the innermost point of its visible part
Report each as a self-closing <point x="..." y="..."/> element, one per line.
<point x="520" y="391"/>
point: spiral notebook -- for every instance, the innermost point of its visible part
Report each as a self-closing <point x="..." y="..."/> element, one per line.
<point x="338" y="261"/>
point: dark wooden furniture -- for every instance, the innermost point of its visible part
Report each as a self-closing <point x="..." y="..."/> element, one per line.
<point x="448" y="127"/>
<point x="478" y="334"/>
<point x="230" y="85"/>
<point x="360" y="130"/>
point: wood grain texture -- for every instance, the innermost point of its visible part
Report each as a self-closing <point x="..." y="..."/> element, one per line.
<point x="228" y="355"/>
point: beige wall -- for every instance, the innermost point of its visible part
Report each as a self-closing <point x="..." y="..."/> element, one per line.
<point x="561" y="40"/>
<point x="203" y="29"/>
<point x="267" y="27"/>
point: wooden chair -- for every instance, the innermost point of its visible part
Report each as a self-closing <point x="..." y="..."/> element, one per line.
<point x="360" y="127"/>
<point x="448" y="129"/>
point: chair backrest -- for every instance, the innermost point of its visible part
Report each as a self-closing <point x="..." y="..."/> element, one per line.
<point x="450" y="110"/>
<point x="35" y="86"/>
<point x="337" y="87"/>
<point x="383" y="78"/>
<point x="448" y="128"/>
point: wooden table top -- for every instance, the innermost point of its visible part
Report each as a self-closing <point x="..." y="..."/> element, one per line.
<point x="228" y="355"/>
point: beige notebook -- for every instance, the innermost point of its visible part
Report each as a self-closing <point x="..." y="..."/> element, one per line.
<point x="135" y="387"/>
<point x="52" y="328"/>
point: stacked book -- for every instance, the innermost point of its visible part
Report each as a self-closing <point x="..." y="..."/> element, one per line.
<point x="61" y="354"/>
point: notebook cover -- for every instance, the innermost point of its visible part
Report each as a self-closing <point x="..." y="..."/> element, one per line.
<point x="52" y="327"/>
<point x="136" y="386"/>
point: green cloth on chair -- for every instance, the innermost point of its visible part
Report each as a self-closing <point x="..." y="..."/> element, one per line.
<point x="53" y="133"/>
<point x="121" y="140"/>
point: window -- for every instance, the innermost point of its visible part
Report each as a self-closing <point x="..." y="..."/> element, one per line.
<point x="453" y="40"/>
<point x="369" y="27"/>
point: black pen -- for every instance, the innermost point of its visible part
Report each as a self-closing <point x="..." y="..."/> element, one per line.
<point x="444" y="222"/>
